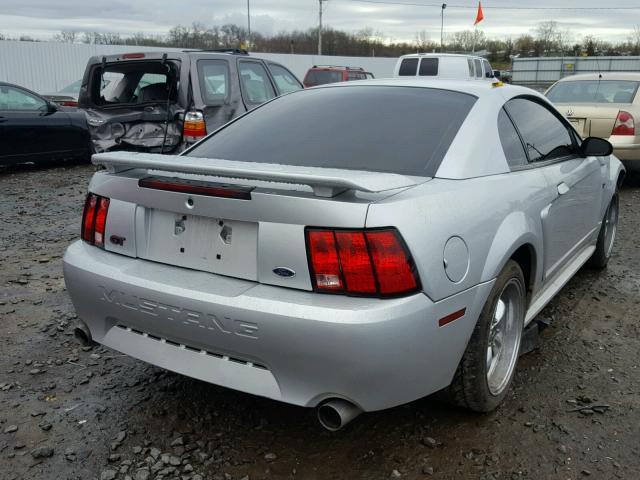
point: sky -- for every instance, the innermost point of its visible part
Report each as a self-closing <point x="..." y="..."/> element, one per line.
<point x="42" y="19"/>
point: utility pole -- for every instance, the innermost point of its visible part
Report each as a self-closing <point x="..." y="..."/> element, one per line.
<point x="249" y="25"/>
<point x="320" y="28"/>
<point x="444" y="5"/>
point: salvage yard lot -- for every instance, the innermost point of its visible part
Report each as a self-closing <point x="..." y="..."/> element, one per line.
<point x="73" y="412"/>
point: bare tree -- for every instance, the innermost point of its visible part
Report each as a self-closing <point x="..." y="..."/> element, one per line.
<point x="634" y="40"/>
<point x="67" y="36"/>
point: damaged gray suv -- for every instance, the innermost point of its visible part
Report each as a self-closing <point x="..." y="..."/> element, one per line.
<point x="162" y="102"/>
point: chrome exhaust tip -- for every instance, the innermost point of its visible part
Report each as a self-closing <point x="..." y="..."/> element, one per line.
<point x="336" y="413"/>
<point x="83" y="334"/>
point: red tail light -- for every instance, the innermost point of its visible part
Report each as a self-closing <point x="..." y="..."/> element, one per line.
<point x="129" y="56"/>
<point x="94" y="219"/>
<point x="196" y="187"/>
<point x="625" y="125"/>
<point x="69" y="103"/>
<point x="194" y="127"/>
<point x="361" y="262"/>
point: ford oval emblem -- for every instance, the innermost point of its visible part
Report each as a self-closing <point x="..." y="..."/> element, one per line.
<point x="284" y="272"/>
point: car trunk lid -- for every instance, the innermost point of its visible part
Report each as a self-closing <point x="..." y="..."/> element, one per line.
<point x="244" y="220"/>
<point x="593" y="120"/>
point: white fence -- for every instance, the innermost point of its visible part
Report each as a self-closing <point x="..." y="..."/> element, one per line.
<point x="543" y="71"/>
<point x="47" y="67"/>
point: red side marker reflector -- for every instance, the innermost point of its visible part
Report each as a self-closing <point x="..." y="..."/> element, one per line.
<point x="451" y="317"/>
<point x="194" y="187"/>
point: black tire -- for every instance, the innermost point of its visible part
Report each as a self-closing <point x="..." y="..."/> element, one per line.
<point x="470" y="387"/>
<point x="602" y="254"/>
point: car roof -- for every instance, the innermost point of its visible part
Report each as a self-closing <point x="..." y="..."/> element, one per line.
<point x="336" y="67"/>
<point x="603" y="76"/>
<point x="471" y="87"/>
<point x="453" y="55"/>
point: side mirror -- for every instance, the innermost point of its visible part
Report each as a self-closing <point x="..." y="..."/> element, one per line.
<point x="489" y="74"/>
<point x="497" y="74"/>
<point x="595" y="147"/>
<point x="52" y="107"/>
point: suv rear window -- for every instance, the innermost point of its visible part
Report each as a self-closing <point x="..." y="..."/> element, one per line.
<point x="131" y="83"/>
<point x="320" y="77"/>
<point x="408" y="67"/>
<point x="360" y="127"/>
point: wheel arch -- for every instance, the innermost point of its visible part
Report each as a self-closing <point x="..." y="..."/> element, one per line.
<point x="516" y="239"/>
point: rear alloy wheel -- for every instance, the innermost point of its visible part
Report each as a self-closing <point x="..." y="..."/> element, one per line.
<point x="489" y="362"/>
<point x="606" y="237"/>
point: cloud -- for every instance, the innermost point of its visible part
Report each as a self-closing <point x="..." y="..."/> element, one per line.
<point x="44" y="18"/>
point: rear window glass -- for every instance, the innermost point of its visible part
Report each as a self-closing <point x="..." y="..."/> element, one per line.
<point x="376" y="128"/>
<point x="593" y="91"/>
<point x="214" y="80"/>
<point x="429" y="67"/>
<point x="134" y="83"/>
<point x="408" y="67"/>
<point x="320" y="77"/>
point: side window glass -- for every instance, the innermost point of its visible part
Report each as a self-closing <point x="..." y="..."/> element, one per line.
<point x="408" y="67"/>
<point x="356" y="76"/>
<point x="487" y="69"/>
<point x="544" y="135"/>
<point x="18" y="100"/>
<point x="471" y="69"/>
<point x="214" y="80"/>
<point x="478" y="65"/>
<point x="255" y="82"/>
<point x="429" y="67"/>
<point x="510" y="140"/>
<point x="285" y="80"/>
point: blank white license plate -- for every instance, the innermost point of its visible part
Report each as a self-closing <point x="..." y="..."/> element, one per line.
<point x="227" y="247"/>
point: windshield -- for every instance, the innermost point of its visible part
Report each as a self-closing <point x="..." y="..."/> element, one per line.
<point x="593" y="91"/>
<point x="376" y="128"/>
<point x="320" y="77"/>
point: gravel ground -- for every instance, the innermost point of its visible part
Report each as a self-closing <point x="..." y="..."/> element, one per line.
<point x="68" y="412"/>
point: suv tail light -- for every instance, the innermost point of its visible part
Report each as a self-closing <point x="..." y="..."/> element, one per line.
<point x="194" y="127"/>
<point x="94" y="219"/>
<point x="624" y="125"/>
<point x="373" y="263"/>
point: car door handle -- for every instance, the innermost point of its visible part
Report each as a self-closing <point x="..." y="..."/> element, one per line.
<point x="563" y="188"/>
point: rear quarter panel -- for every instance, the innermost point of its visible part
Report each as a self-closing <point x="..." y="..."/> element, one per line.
<point x="494" y="215"/>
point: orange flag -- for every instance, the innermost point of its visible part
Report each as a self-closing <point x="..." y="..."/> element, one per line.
<point x="480" y="15"/>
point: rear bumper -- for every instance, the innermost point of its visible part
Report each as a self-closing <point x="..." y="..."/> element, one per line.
<point x="295" y="346"/>
<point x="626" y="147"/>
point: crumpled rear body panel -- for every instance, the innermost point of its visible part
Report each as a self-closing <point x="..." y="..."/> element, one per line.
<point x="134" y="129"/>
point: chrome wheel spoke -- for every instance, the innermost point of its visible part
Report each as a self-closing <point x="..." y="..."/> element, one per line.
<point x="505" y="330"/>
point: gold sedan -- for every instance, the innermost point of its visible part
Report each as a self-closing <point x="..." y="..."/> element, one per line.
<point x="605" y="105"/>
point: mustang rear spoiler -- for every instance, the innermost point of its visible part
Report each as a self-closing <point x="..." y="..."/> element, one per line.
<point x="325" y="182"/>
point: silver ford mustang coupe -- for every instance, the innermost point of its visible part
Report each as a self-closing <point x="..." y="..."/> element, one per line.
<point x="351" y="247"/>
